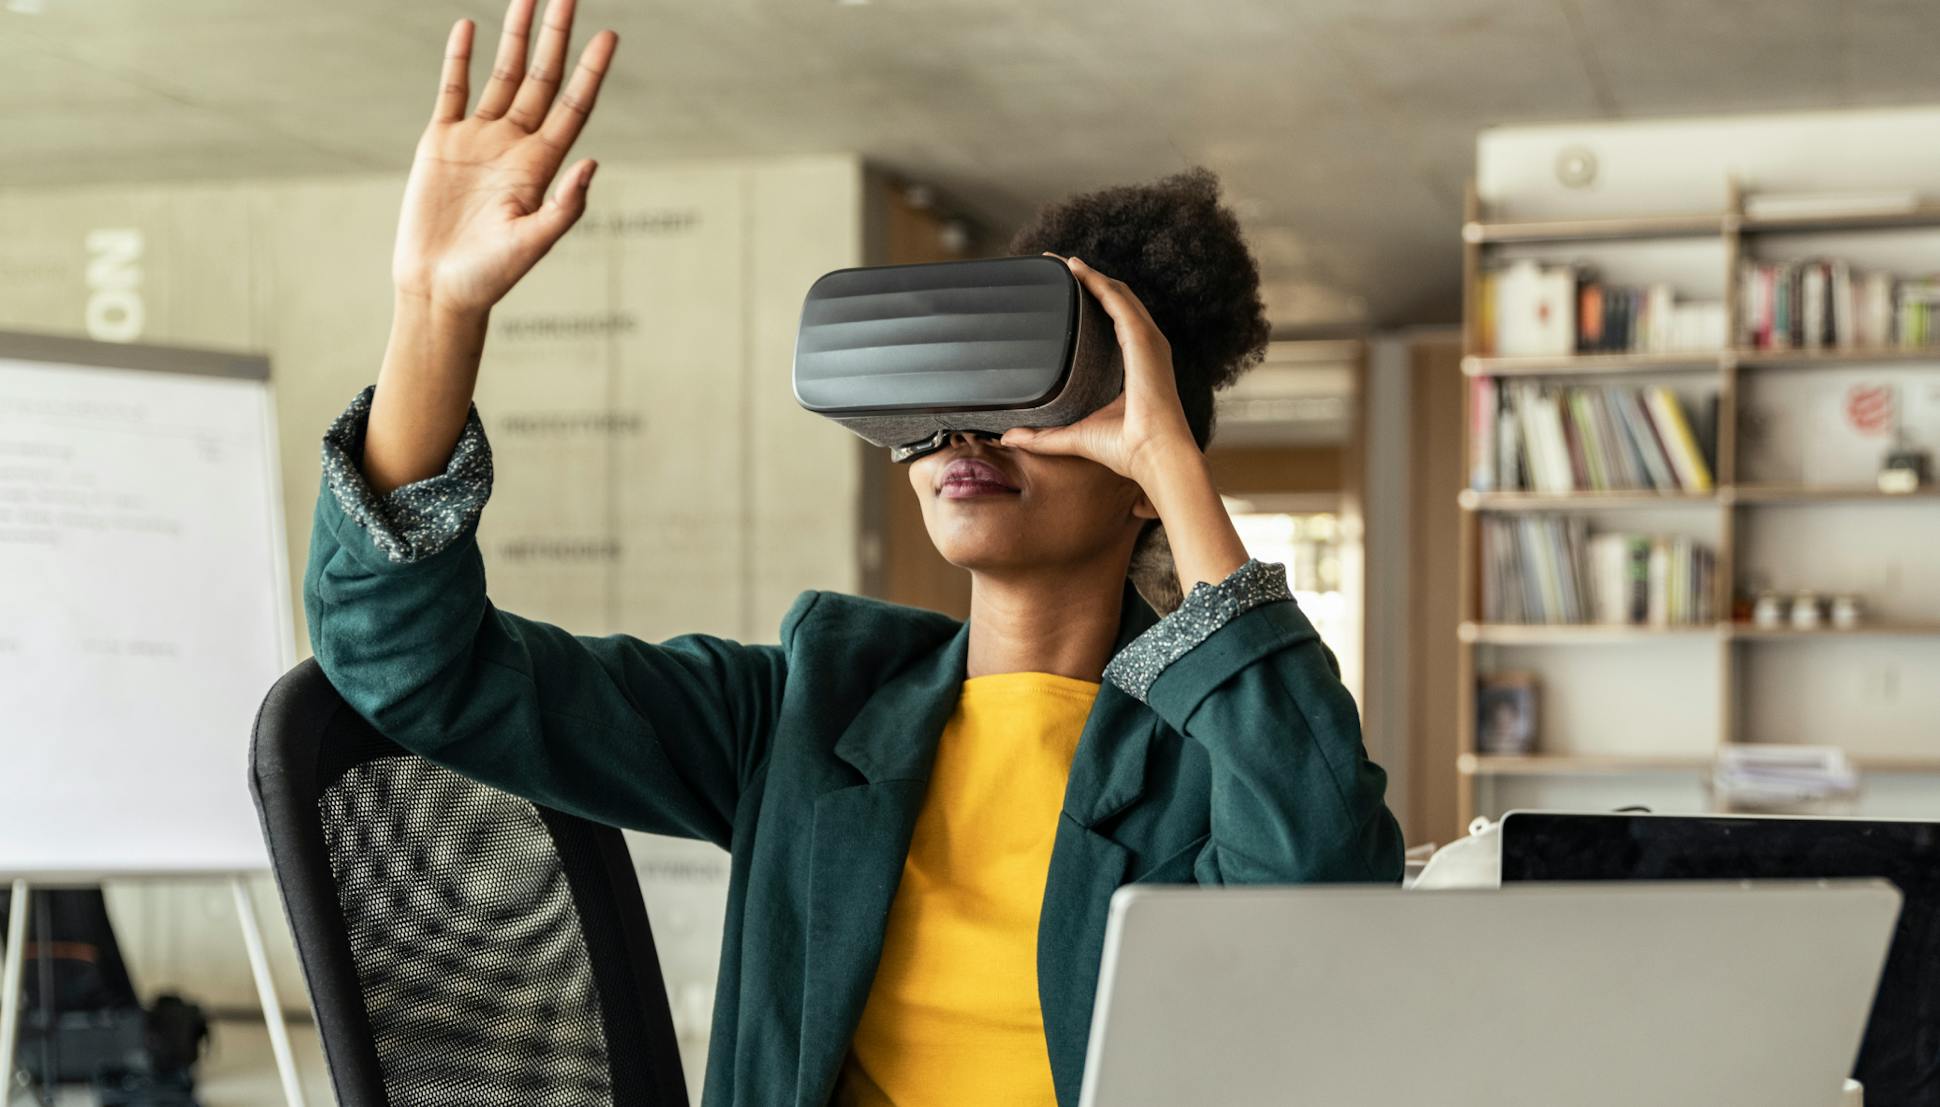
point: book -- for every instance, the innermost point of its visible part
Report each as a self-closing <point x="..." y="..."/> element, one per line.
<point x="1844" y="307"/>
<point x="1819" y="303"/>
<point x="1482" y="418"/>
<point x="1485" y="312"/>
<point x="1557" y="439"/>
<point x="1589" y="317"/>
<point x="1529" y="308"/>
<point x="1675" y="434"/>
<point x="1535" y="310"/>
<point x="1550" y="570"/>
<point x="1812" y="314"/>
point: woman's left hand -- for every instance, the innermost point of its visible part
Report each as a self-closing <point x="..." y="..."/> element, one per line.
<point x="1134" y="433"/>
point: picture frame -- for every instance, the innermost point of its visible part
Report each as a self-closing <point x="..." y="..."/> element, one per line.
<point x="1507" y="713"/>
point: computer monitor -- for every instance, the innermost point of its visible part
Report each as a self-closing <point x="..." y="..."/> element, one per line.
<point x="1899" y="1057"/>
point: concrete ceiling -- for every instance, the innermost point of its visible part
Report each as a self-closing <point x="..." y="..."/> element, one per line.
<point x="1344" y="129"/>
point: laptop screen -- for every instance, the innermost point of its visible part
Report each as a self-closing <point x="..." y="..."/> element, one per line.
<point x="1899" y="1059"/>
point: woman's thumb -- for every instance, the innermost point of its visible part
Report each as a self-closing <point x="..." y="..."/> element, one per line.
<point x="1042" y="440"/>
<point x="568" y="200"/>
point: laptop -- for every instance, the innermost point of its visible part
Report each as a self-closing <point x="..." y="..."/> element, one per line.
<point x="1899" y="1055"/>
<point x="1606" y="995"/>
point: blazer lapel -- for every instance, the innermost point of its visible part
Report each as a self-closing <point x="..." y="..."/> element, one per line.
<point x="1107" y="776"/>
<point x="860" y="842"/>
<point x="1108" y="768"/>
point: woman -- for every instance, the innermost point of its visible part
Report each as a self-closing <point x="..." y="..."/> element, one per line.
<point x="927" y="818"/>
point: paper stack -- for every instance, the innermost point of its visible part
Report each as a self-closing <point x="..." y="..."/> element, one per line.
<point x="1781" y="777"/>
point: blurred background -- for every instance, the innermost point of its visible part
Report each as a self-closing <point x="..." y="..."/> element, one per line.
<point x="1595" y="433"/>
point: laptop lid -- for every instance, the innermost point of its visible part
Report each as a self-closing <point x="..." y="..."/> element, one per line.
<point x="1612" y="995"/>
<point x="1899" y="1056"/>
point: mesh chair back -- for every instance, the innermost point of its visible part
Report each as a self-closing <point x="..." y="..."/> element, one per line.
<point x="461" y="945"/>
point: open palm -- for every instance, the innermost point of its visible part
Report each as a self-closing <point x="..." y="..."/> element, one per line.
<point x="476" y="215"/>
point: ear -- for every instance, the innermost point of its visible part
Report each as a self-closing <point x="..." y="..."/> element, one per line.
<point x="1142" y="506"/>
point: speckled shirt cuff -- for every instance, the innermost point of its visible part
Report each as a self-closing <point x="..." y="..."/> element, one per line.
<point x="416" y="520"/>
<point x="1205" y="609"/>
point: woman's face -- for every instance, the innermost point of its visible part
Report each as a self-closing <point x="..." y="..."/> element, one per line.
<point x="990" y="507"/>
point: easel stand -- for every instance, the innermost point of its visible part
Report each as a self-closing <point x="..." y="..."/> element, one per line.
<point x="15" y="962"/>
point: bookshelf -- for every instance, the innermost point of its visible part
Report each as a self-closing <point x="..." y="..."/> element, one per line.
<point x="1721" y="660"/>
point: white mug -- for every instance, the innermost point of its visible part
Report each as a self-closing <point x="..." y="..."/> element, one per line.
<point x="1805" y="611"/>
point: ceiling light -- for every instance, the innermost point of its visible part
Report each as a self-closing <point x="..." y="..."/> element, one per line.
<point x="26" y="7"/>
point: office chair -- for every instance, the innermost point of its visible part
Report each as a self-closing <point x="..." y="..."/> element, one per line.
<point x="461" y="945"/>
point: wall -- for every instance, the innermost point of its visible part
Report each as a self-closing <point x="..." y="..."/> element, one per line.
<point x="1412" y="460"/>
<point x="654" y="475"/>
<point x="899" y="561"/>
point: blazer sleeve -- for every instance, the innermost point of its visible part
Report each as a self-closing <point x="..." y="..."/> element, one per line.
<point x="1239" y="669"/>
<point x="660" y="737"/>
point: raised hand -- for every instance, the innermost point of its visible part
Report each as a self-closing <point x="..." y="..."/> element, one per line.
<point x="477" y="215"/>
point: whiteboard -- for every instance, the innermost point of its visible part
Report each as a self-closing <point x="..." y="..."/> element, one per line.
<point x="144" y="606"/>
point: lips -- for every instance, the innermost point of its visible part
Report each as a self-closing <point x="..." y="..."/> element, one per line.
<point x="969" y="476"/>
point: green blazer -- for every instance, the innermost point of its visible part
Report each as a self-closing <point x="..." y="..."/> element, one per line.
<point x="808" y="761"/>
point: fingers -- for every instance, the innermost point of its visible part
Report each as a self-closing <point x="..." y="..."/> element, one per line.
<point x="569" y="114"/>
<point x="1134" y="323"/>
<point x="548" y="66"/>
<point x="1079" y="439"/>
<point x="509" y="67"/>
<point x="562" y="209"/>
<point x="454" y="84"/>
<point x="1055" y="441"/>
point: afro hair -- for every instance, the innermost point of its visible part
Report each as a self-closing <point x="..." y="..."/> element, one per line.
<point x="1181" y="253"/>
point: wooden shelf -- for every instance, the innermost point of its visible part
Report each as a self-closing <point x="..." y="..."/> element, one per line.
<point x="1748" y="357"/>
<point x="1690" y="225"/>
<point x="1922" y="215"/>
<point x="1572" y="365"/>
<point x="1820" y="494"/>
<point x="1583" y="230"/>
<point x="1566" y="764"/>
<point x="1569" y="764"/>
<point x="1713" y="647"/>
<point x="1744" y="495"/>
<point x="1694" y="361"/>
<point x="1564" y="634"/>
<point x="1586" y="500"/>
<point x="1747" y="632"/>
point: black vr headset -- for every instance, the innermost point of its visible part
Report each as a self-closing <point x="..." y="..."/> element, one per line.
<point x="904" y="355"/>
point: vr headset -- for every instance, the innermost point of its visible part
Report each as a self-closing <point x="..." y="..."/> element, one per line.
<point x="904" y="355"/>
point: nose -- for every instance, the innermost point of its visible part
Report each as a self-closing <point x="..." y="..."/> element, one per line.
<point x="965" y="437"/>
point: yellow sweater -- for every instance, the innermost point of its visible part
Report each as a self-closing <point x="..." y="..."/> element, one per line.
<point x="953" y="1014"/>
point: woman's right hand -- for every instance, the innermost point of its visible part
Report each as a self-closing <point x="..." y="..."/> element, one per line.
<point x="477" y="215"/>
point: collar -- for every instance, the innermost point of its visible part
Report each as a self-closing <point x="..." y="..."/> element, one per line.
<point x="894" y="736"/>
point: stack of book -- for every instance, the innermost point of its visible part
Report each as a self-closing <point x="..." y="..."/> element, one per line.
<point x="1525" y="436"/>
<point x="1551" y="570"/>
<point x="1824" y="304"/>
<point x="1536" y="310"/>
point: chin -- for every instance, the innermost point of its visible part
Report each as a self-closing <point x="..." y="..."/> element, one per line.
<point x="981" y="553"/>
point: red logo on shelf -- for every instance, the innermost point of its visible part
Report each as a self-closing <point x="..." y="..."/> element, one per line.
<point x="1869" y="408"/>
